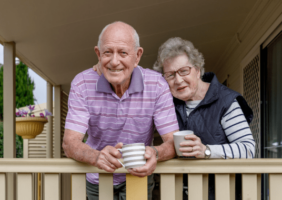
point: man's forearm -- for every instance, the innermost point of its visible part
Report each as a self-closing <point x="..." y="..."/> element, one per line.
<point x="166" y="150"/>
<point x="82" y="153"/>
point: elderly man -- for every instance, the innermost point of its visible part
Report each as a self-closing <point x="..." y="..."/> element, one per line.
<point x="122" y="106"/>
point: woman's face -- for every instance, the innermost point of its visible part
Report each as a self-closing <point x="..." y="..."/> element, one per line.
<point x="182" y="87"/>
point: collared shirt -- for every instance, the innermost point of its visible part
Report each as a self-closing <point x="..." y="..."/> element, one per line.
<point x="108" y="119"/>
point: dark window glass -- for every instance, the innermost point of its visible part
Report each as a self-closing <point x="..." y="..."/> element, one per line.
<point x="271" y="75"/>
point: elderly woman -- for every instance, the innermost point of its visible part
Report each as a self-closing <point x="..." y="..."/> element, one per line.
<point x="218" y="116"/>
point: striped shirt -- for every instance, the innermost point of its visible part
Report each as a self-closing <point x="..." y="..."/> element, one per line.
<point x="237" y="131"/>
<point x="94" y="107"/>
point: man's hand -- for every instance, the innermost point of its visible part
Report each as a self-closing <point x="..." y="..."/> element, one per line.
<point x="97" y="68"/>
<point x="149" y="167"/>
<point x="193" y="147"/>
<point x="107" y="158"/>
<point x="76" y="149"/>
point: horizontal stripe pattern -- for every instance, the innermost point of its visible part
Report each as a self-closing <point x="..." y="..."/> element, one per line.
<point x="109" y="119"/>
<point x="237" y="131"/>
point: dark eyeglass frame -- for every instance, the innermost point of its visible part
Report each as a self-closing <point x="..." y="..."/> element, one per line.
<point x="171" y="74"/>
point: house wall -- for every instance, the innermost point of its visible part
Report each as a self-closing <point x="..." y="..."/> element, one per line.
<point x="253" y="32"/>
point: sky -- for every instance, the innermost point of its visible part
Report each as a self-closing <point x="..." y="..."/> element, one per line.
<point x="40" y="91"/>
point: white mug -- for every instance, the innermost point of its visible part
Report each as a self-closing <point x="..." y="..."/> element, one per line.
<point x="133" y="155"/>
<point x="179" y="137"/>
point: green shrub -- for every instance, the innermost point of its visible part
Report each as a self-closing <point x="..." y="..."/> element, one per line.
<point x="19" y="147"/>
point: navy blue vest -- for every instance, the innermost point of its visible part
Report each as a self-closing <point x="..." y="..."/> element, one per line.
<point x="205" y="120"/>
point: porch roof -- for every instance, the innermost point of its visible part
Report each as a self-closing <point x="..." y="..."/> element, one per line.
<point x="56" y="38"/>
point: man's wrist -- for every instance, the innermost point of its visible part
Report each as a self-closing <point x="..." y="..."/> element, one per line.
<point x="157" y="152"/>
<point x="96" y="158"/>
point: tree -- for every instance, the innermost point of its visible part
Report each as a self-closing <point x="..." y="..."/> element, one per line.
<point x="24" y="97"/>
<point x="24" y="88"/>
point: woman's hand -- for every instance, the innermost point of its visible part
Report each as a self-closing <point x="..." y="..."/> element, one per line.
<point x="192" y="147"/>
<point x="97" y="68"/>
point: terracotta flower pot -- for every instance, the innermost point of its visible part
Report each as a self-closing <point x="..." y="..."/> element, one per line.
<point x="29" y="127"/>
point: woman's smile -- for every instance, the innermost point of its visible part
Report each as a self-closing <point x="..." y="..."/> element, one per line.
<point x="181" y="89"/>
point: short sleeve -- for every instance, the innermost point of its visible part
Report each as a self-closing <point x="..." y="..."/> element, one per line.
<point x="78" y="114"/>
<point x="164" y="113"/>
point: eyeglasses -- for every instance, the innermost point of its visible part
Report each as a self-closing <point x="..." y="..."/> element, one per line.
<point x="182" y="72"/>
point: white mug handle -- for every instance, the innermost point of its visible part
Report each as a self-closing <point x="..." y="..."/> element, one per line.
<point x="119" y="160"/>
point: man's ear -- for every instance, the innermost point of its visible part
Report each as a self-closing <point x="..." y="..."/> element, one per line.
<point x="139" y="54"/>
<point x="97" y="51"/>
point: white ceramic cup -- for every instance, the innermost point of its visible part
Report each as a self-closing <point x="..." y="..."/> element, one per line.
<point x="133" y="155"/>
<point x="179" y="137"/>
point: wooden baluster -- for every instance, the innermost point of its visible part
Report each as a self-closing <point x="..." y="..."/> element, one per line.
<point x="136" y="188"/>
<point x="205" y="186"/>
<point x="39" y="186"/>
<point x="258" y="186"/>
<point x="249" y="186"/>
<point x="225" y="187"/>
<point x="167" y="186"/>
<point x="106" y="189"/>
<point x="2" y="186"/>
<point x="275" y="182"/>
<point x="78" y="186"/>
<point x="196" y="186"/>
<point x="232" y="186"/>
<point x="178" y="186"/>
<point x="52" y="186"/>
<point x="25" y="187"/>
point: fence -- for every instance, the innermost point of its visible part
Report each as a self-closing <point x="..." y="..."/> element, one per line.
<point x="170" y="184"/>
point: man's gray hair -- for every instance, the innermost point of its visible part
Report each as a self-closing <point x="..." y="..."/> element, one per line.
<point x="177" y="46"/>
<point x="135" y="35"/>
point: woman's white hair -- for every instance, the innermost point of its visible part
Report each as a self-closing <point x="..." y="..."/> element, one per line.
<point x="135" y="35"/>
<point x="177" y="46"/>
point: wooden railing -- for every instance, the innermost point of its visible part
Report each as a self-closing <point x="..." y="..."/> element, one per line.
<point x="171" y="178"/>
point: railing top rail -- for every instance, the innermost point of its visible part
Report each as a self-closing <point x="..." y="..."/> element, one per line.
<point x="174" y="166"/>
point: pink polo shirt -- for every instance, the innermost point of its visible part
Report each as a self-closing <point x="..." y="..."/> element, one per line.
<point x="94" y="107"/>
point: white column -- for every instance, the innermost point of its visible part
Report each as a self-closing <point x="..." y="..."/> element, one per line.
<point x="57" y="113"/>
<point x="9" y="88"/>
<point x="49" y="136"/>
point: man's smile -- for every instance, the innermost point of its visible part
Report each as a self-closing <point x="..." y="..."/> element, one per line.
<point x="115" y="70"/>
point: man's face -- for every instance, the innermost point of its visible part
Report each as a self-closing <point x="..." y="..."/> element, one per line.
<point x="118" y="56"/>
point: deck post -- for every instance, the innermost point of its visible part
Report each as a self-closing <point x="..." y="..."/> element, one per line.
<point x="9" y="90"/>
<point x="49" y="135"/>
<point x="57" y="113"/>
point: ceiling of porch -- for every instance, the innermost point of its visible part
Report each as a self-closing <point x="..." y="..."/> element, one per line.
<point x="56" y="38"/>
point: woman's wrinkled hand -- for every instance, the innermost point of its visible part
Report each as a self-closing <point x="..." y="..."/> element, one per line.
<point x="97" y="68"/>
<point x="193" y="146"/>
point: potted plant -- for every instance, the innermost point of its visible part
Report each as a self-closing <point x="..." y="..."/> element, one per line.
<point x="28" y="126"/>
